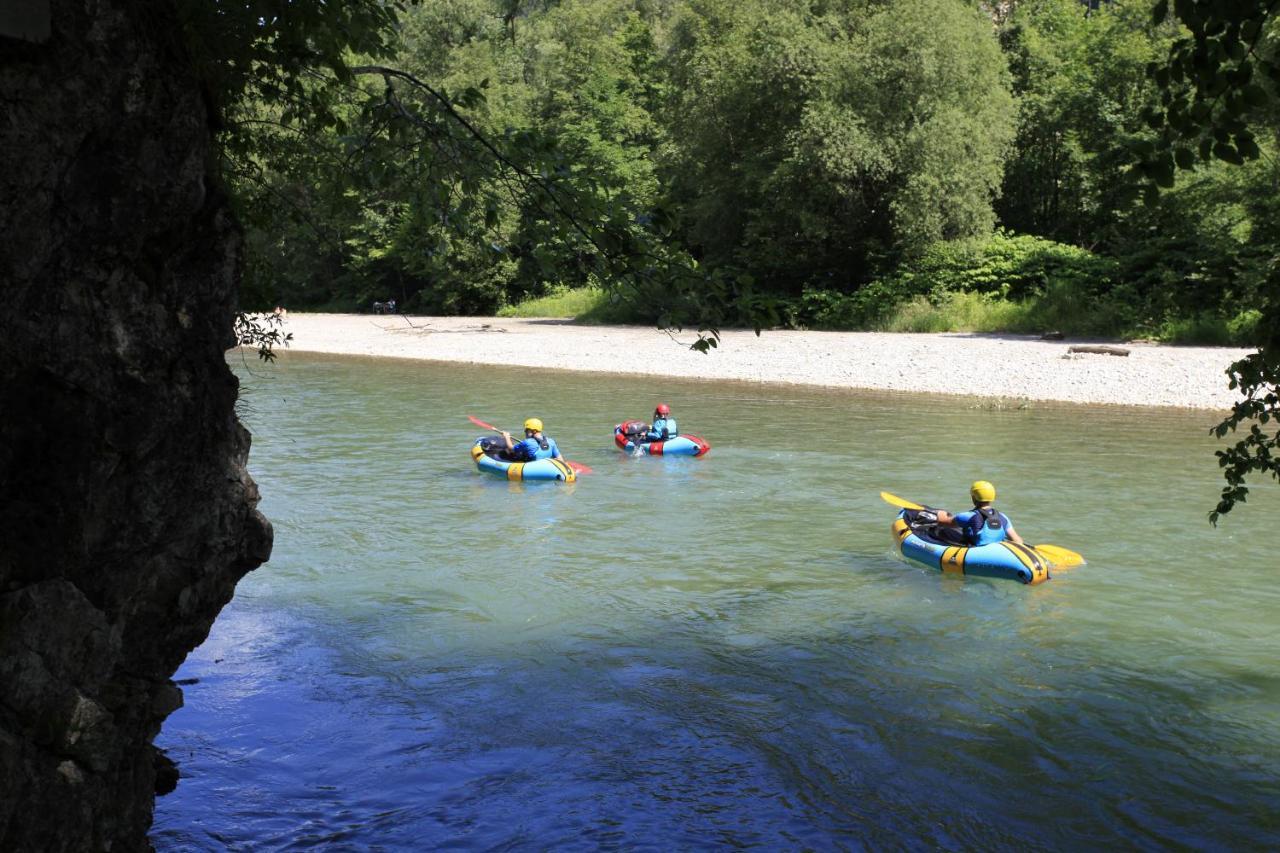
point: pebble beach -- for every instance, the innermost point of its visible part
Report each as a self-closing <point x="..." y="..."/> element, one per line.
<point x="994" y="367"/>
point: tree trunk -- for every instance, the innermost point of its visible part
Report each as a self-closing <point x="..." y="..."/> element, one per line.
<point x="126" y="513"/>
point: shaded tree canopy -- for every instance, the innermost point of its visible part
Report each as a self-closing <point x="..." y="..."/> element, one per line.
<point x="817" y="163"/>
<point x="1218" y="95"/>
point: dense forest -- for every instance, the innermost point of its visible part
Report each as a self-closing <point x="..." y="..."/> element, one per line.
<point x="899" y="164"/>
<point x="1079" y="166"/>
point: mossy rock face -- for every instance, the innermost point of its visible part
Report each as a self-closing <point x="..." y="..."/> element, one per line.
<point x="126" y="510"/>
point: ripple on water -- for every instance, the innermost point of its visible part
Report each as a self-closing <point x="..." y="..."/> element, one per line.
<point x="677" y="653"/>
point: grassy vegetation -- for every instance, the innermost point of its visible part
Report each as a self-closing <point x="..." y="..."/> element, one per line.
<point x="972" y="312"/>
<point x="1061" y="308"/>
<point x="1212" y="330"/>
<point x="592" y="305"/>
<point x="956" y="312"/>
<point x="560" y="302"/>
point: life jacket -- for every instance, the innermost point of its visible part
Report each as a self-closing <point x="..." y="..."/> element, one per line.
<point x="985" y="518"/>
<point x="546" y="448"/>
<point x="663" y="429"/>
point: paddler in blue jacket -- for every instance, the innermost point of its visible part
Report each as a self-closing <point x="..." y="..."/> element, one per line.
<point x="663" y="426"/>
<point x="534" y="446"/>
<point x="982" y="525"/>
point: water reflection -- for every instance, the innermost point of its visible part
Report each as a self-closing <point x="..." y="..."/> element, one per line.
<point x="724" y="651"/>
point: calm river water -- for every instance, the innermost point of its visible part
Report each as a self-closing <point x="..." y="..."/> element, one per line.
<point x="689" y="653"/>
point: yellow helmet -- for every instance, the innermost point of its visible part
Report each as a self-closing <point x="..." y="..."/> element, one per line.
<point x="534" y="424"/>
<point x="982" y="492"/>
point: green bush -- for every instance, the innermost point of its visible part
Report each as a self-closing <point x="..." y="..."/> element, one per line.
<point x="1004" y="264"/>
<point x="1208" y="329"/>
<point x="559" y="301"/>
<point x="1048" y="280"/>
<point x="958" y="312"/>
<point x="591" y="304"/>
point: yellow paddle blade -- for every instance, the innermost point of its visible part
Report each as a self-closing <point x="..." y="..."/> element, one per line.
<point x="897" y="501"/>
<point x="1061" y="558"/>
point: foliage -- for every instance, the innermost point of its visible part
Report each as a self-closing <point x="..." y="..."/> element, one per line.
<point x="263" y="332"/>
<point x="1002" y="269"/>
<point x="824" y="163"/>
<point x="1218" y="90"/>
<point x="558" y="302"/>
<point x="956" y="312"/>
<point x="363" y="180"/>
<point x="1259" y="449"/>
<point x="1213" y="329"/>
<point x="814" y="138"/>
<point x="1082" y="88"/>
<point x="259" y="66"/>
<point x="1211" y="80"/>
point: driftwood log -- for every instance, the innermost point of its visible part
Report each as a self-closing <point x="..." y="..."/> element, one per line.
<point x="1098" y="350"/>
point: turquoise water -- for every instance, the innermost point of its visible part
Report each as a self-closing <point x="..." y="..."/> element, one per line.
<point x="689" y="653"/>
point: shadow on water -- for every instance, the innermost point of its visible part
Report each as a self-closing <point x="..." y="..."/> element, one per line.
<point x="683" y="653"/>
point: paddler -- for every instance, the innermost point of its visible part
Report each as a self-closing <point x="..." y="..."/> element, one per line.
<point x="663" y="426"/>
<point x="982" y="525"/>
<point x="534" y="446"/>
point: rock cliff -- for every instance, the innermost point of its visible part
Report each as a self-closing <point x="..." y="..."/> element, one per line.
<point x="126" y="513"/>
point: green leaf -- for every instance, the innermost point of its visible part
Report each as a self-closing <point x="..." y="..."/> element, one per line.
<point x="1226" y="152"/>
<point x="1247" y="147"/>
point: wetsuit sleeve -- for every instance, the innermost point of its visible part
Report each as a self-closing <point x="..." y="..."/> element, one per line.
<point x="555" y="449"/>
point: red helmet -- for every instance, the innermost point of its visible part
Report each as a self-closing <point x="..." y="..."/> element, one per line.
<point x="663" y="409"/>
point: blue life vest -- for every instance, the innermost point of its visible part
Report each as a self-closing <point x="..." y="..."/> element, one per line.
<point x="663" y="429"/>
<point x="531" y="449"/>
<point x="983" y="526"/>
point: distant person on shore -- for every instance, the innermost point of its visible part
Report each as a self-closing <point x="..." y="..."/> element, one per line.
<point x="534" y="446"/>
<point x="982" y="525"/>
<point x="663" y="426"/>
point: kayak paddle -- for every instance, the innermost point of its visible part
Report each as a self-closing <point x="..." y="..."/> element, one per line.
<point x="900" y="502"/>
<point x="481" y="423"/>
<point x="578" y="467"/>
<point x="1062" y="558"/>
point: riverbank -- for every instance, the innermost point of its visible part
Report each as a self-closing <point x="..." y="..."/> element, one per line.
<point x="1008" y="367"/>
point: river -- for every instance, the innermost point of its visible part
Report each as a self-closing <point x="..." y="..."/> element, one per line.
<point x="688" y="653"/>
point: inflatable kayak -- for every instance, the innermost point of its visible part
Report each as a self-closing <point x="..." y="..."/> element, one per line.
<point x="488" y="454"/>
<point x="942" y="549"/>
<point x="624" y="435"/>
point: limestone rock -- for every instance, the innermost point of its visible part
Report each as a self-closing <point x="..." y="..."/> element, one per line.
<point x="126" y="513"/>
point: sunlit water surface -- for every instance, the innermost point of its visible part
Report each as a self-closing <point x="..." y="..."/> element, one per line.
<point x="685" y="653"/>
